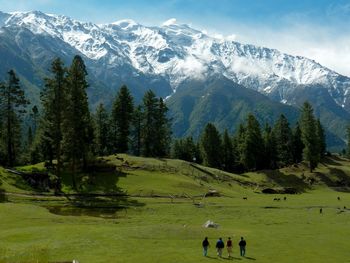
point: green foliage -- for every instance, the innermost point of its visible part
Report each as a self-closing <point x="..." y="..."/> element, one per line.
<point x="122" y="113"/>
<point x="78" y="130"/>
<point x="321" y="137"/>
<point x="136" y="131"/>
<point x="102" y="131"/>
<point x="283" y="137"/>
<point x="308" y="126"/>
<point x="270" y="151"/>
<point x="54" y="102"/>
<point x="162" y="138"/>
<point x="149" y="128"/>
<point x="211" y="146"/>
<point x="228" y="153"/>
<point x="12" y="107"/>
<point x="298" y="145"/>
<point x="185" y="149"/>
<point x="252" y="148"/>
<point x="156" y="132"/>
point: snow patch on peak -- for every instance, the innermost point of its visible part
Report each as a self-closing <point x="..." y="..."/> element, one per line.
<point x="170" y="22"/>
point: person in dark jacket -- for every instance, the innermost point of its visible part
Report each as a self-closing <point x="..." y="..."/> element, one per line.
<point x="220" y="246"/>
<point x="205" y="245"/>
<point x="242" y="244"/>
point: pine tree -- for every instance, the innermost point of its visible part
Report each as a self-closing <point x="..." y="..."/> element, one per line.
<point x="270" y="152"/>
<point x="253" y="146"/>
<point x="12" y="106"/>
<point x="185" y="149"/>
<point x="136" y="131"/>
<point x="54" y="104"/>
<point x="121" y="119"/>
<point x="309" y="136"/>
<point x="283" y="136"/>
<point x="211" y="146"/>
<point x="321" y="138"/>
<point x="238" y="145"/>
<point x="163" y="136"/>
<point x="149" y="125"/>
<point x="102" y="131"/>
<point x="77" y="126"/>
<point x="298" y="145"/>
<point x="228" y="156"/>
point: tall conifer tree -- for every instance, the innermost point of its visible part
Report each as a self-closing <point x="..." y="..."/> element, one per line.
<point x="211" y="146"/>
<point x="321" y="138"/>
<point x="298" y="145"/>
<point x="12" y="106"/>
<point x="283" y="136"/>
<point x="53" y="99"/>
<point x="102" y="130"/>
<point x="308" y="127"/>
<point x="78" y="131"/>
<point x="149" y="125"/>
<point x="228" y="156"/>
<point x="121" y="119"/>
<point x="253" y="146"/>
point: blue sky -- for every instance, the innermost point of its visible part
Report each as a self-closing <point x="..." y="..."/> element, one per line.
<point x="318" y="29"/>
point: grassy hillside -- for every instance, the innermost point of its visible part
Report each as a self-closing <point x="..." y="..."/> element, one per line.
<point x="161" y="217"/>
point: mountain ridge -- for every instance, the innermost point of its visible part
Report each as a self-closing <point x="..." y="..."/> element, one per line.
<point x="163" y="58"/>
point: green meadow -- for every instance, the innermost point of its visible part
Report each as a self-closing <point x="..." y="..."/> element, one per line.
<point x="153" y="210"/>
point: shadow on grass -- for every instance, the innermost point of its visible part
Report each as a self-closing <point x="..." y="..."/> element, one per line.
<point x="2" y="196"/>
<point x="286" y="180"/>
<point x="97" y="195"/>
<point x="331" y="161"/>
<point x="339" y="180"/>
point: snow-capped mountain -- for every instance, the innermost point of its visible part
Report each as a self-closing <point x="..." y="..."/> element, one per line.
<point x="177" y="52"/>
<point x="163" y="57"/>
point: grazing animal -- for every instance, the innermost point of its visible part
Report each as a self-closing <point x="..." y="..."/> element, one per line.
<point x="321" y="211"/>
<point x="344" y="207"/>
<point x="245" y="198"/>
<point x="338" y="198"/>
<point x="284" y="198"/>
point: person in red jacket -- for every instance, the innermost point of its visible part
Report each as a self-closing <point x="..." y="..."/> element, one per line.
<point x="229" y="247"/>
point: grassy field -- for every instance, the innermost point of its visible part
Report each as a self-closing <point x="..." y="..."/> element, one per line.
<point x="161" y="218"/>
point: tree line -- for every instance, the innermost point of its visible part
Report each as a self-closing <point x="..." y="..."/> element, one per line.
<point x="66" y="135"/>
<point x="253" y="147"/>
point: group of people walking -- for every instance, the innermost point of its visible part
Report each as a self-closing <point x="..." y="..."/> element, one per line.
<point x="220" y="245"/>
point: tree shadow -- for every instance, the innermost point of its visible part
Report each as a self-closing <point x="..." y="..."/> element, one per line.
<point x="3" y="197"/>
<point x="339" y="180"/>
<point x="286" y="180"/>
<point x="97" y="195"/>
<point x="334" y="160"/>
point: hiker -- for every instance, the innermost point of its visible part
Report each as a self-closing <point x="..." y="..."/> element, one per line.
<point x="242" y="245"/>
<point x="220" y="246"/>
<point x="205" y="245"/>
<point x="229" y="247"/>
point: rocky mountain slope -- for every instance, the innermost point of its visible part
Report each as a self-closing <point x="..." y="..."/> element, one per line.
<point x="165" y="58"/>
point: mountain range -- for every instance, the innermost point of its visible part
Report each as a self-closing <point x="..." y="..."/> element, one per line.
<point x="203" y="77"/>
